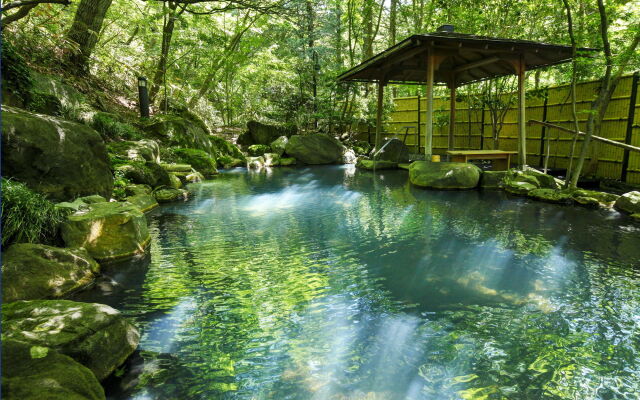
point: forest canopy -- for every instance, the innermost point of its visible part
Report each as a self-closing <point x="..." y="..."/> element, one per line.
<point x="232" y="61"/>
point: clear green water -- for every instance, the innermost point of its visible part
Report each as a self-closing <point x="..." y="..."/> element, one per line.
<point x="325" y="283"/>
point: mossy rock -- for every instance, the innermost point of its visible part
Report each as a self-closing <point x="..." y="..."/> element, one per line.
<point x="147" y="173"/>
<point x="132" y="190"/>
<point x="315" y="149"/>
<point x="380" y="164"/>
<point x="60" y="159"/>
<point x="111" y="127"/>
<point x="198" y="160"/>
<point x="521" y="183"/>
<point x="271" y="159"/>
<point x="266" y="134"/>
<point x="223" y="147"/>
<point x="176" y="183"/>
<point x="287" y="161"/>
<point x="628" y="203"/>
<point x="393" y="150"/>
<point x="551" y="196"/>
<point x="32" y="372"/>
<point x="179" y="131"/>
<point x="362" y="148"/>
<point x="36" y="271"/>
<point x="169" y="194"/>
<point x="44" y="103"/>
<point x="278" y="146"/>
<point x="95" y="335"/>
<point x="109" y="231"/>
<point x="593" y="198"/>
<point x="492" y="179"/>
<point x="173" y="168"/>
<point x="230" y="162"/>
<point x="444" y="175"/>
<point x="96" y="198"/>
<point x="255" y="162"/>
<point x="258" y="150"/>
<point x="145" y="202"/>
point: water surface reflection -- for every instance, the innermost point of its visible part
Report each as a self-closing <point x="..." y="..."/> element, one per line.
<point x="325" y="283"/>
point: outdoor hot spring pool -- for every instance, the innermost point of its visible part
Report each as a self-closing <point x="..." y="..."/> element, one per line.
<point x="328" y="283"/>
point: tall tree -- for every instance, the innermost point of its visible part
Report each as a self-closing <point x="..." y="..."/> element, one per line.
<point x="85" y="31"/>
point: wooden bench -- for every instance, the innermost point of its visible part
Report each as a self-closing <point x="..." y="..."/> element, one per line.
<point x="501" y="159"/>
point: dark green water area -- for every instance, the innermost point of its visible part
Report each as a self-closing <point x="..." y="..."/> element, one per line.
<point x="332" y="283"/>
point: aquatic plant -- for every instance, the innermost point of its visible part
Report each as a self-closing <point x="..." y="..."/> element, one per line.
<point x="28" y="216"/>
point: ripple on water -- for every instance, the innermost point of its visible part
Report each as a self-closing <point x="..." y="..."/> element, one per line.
<point x="325" y="283"/>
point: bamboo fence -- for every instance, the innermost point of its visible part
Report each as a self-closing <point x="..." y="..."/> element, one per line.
<point x="474" y="129"/>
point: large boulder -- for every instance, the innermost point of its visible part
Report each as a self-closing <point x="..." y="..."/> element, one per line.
<point x="180" y="130"/>
<point x="109" y="231"/>
<point x="444" y="175"/>
<point x="199" y="160"/>
<point x="141" y="150"/>
<point x="145" y="202"/>
<point x="34" y="372"/>
<point x="279" y="145"/>
<point x="35" y="271"/>
<point x="393" y="150"/>
<point x="145" y="173"/>
<point x="58" y="158"/>
<point x="95" y="335"/>
<point x="315" y="149"/>
<point x="266" y="134"/>
<point x="628" y="203"/>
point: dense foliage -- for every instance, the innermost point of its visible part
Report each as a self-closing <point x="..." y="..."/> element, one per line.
<point x="28" y="217"/>
<point x="231" y="61"/>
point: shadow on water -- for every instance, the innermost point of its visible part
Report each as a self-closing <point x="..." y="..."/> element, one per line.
<point x="332" y="283"/>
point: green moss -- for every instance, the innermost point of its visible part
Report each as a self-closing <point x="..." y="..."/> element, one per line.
<point x="198" y="159"/>
<point x="257" y="150"/>
<point x="110" y="127"/>
<point x="28" y="217"/>
<point x="16" y="76"/>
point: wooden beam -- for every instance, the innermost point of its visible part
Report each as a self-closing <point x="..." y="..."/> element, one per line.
<point x="379" y="115"/>
<point x="474" y="64"/>
<point x="428" y="134"/>
<point x="522" y="134"/>
<point x="452" y="113"/>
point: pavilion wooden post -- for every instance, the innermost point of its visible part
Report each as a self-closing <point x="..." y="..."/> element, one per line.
<point x="452" y="114"/>
<point x="428" y="134"/>
<point x="379" y="114"/>
<point x="522" y="135"/>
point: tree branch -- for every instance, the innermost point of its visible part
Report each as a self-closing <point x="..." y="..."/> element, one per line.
<point x="21" y="3"/>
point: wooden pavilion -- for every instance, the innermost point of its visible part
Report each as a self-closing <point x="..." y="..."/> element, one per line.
<point x="456" y="59"/>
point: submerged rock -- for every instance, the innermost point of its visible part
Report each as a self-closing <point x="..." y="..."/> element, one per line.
<point x="628" y="203"/>
<point x="444" y="175"/>
<point x="371" y="164"/>
<point x="35" y="271"/>
<point x="315" y="149"/>
<point x="393" y="150"/>
<point x="278" y="146"/>
<point x="109" y="231"/>
<point x="33" y="372"/>
<point x="95" y="335"/>
<point x="493" y="179"/>
<point x="61" y="159"/>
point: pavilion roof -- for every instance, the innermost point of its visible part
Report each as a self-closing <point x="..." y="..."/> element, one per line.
<point x="470" y="58"/>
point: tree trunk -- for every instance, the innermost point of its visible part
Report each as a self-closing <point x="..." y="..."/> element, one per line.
<point x="574" y="113"/>
<point x="167" y="34"/>
<point x="84" y="31"/>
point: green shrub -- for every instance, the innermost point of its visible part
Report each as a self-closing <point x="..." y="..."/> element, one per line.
<point x="110" y="128"/>
<point x="28" y="217"/>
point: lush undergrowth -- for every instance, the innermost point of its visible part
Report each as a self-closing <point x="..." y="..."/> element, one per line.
<point x="28" y="217"/>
